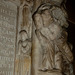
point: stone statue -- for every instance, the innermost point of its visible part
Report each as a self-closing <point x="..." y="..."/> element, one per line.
<point x="46" y="35"/>
<point x="50" y="26"/>
<point x="46" y="31"/>
<point x="24" y="47"/>
<point x="24" y="42"/>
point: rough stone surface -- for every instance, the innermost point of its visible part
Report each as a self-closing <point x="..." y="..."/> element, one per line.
<point x="8" y="18"/>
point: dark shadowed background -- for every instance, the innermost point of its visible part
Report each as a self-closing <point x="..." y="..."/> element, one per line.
<point x="70" y="5"/>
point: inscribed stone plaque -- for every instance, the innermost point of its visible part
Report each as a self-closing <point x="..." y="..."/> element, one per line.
<point x="8" y="13"/>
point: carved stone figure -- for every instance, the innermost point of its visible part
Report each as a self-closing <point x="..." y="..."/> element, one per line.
<point x="26" y="25"/>
<point x="24" y="54"/>
<point x="49" y="29"/>
<point x="46" y="32"/>
<point x="24" y="44"/>
<point x="24" y="40"/>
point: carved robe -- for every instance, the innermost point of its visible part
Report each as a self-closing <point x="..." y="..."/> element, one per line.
<point x="46" y="32"/>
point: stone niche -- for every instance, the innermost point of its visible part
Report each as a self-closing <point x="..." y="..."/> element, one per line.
<point x="33" y="38"/>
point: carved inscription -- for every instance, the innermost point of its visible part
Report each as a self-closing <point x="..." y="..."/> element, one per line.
<point x="7" y="37"/>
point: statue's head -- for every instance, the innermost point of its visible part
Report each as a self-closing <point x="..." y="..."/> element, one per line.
<point x="28" y="2"/>
<point x="23" y="35"/>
